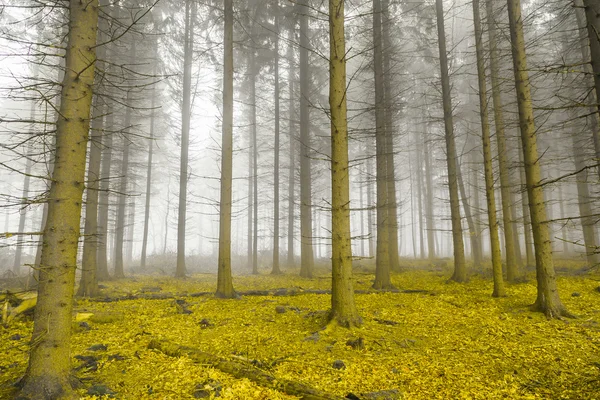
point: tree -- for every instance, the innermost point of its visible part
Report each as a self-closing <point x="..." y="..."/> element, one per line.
<point x="49" y="367"/>
<point x="460" y="269"/>
<point x="224" y="279"/>
<point x="343" y="309"/>
<point x="185" y="134"/>
<point x="306" y="236"/>
<point x="383" y="257"/>
<point x="548" y="300"/>
<point x="276" y="269"/>
<point x="487" y="157"/>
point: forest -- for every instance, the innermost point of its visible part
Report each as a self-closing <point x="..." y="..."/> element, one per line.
<point x="300" y="199"/>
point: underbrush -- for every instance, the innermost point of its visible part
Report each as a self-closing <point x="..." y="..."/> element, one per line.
<point x="435" y="340"/>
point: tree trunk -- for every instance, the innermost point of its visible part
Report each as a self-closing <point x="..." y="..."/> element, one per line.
<point x="511" y="267"/>
<point x="224" y="279"/>
<point x="382" y="260"/>
<point x="130" y="227"/>
<point x="292" y="170"/>
<point x="460" y="268"/>
<point x="548" y="300"/>
<point x="275" y="269"/>
<point x="529" y="253"/>
<point x="473" y="233"/>
<point x="370" y="208"/>
<point x="487" y="156"/>
<point x="148" y="180"/>
<point x="104" y="196"/>
<point x="592" y="15"/>
<point x="253" y="77"/>
<point x="49" y="365"/>
<point x="429" y="200"/>
<point x="88" y="284"/>
<point x="306" y="251"/>
<point x="389" y="136"/>
<point x="22" y="211"/>
<point x="343" y="308"/>
<point x="190" y="16"/>
<point x="419" y="170"/>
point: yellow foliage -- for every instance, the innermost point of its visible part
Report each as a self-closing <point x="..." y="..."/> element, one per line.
<point x="453" y="341"/>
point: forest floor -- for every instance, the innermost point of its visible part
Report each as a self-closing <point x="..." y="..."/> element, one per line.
<point x="442" y="341"/>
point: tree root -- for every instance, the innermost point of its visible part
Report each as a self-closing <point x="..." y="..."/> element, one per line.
<point x="241" y="370"/>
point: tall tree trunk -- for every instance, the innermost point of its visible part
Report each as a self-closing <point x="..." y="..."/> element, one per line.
<point x="49" y="367"/>
<point x="428" y="199"/>
<point x="592" y="15"/>
<point x="460" y="267"/>
<point x="548" y="300"/>
<point x="224" y="279"/>
<point x="275" y="268"/>
<point x="253" y="77"/>
<point x="529" y="253"/>
<point x="473" y="233"/>
<point x="306" y="250"/>
<point x="22" y="211"/>
<point x="370" y="208"/>
<point x="419" y="170"/>
<point x="190" y="16"/>
<point x="292" y="137"/>
<point x="505" y="185"/>
<point x="104" y="196"/>
<point x="130" y="227"/>
<point x="487" y="156"/>
<point x="148" y="180"/>
<point x="382" y="268"/>
<point x="389" y="136"/>
<point x="88" y="284"/>
<point x="343" y="309"/>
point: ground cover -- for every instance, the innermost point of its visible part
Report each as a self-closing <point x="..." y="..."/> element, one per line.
<point x="442" y="341"/>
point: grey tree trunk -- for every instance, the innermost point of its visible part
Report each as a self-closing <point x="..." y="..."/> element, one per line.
<point x="460" y="268"/>
<point x="275" y="268"/>
<point x="190" y="16"/>
<point x="104" y="197"/>
<point x="292" y="138"/>
<point x="224" y="278"/>
<point x="307" y="257"/>
<point x="148" y="180"/>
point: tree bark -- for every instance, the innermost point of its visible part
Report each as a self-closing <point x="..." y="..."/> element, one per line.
<point x="104" y="197"/>
<point x="592" y="15"/>
<point x="430" y="225"/>
<point x="224" y="278"/>
<point x="343" y="308"/>
<point x="190" y="16"/>
<point x="88" y="284"/>
<point x="148" y="180"/>
<point x="548" y="300"/>
<point x="49" y="367"/>
<point x="460" y="268"/>
<point x="382" y="261"/>
<point x="275" y="268"/>
<point x="511" y="266"/>
<point x="306" y="251"/>
<point x="292" y="138"/>
<point x="487" y="156"/>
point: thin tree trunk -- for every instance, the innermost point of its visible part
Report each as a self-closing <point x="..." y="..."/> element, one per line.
<point x="511" y="266"/>
<point x="104" y="197"/>
<point x="460" y="268"/>
<point x="529" y="253"/>
<point x="592" y="14"/>
<point x="473" y="234"/>
<point x="306" y="251"/>
<point x="224" y="279"/>
<point x="429" y="201"/>
<point x="22" y="211"/>
<point x="343" y="309"/>
<point x="389" y="136"/>
<point x="49" y="367"/>
<point x="292" y="167"/>
<point x="275" y="269"/>
<point x="382" y="268"/>
<point x="148" y="181"/>
<point x="370" y="208"/>
<point x="88" y="284"/>
<point x="487" y="156"/>
<point x="419" y="170"/>
<point x="253" y="77"/>
<point x="548" y="300"/>
<point x="130" y="228"/>
<point x="190" y="16"/>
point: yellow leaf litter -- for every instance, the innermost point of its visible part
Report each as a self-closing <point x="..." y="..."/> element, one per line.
<point x="451" y="341"/>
